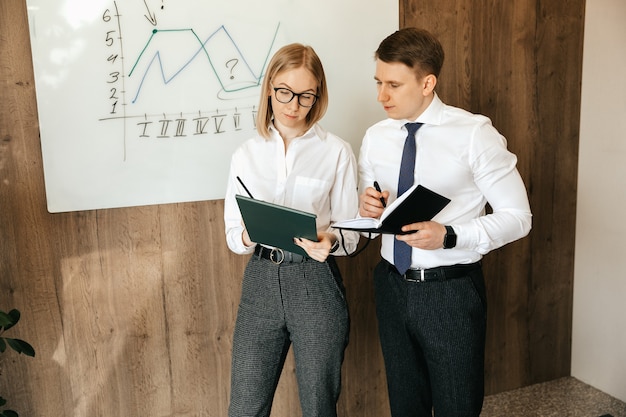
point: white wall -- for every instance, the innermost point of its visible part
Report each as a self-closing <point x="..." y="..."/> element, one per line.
<point x="599" y="322"/>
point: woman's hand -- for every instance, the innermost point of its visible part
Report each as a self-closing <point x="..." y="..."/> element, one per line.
<point x="245" y="237"/>
<point x="317" y="250"/>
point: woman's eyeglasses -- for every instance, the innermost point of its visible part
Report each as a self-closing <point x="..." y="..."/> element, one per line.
<point x="285" y="95"/>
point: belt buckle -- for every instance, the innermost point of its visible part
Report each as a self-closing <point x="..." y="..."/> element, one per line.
<point x="274" y="256"/>
<point x="421" y="278"/>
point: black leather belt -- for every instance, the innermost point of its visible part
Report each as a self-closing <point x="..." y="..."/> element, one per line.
<point x="278" y="256"/>
<point x="441" y="273"/>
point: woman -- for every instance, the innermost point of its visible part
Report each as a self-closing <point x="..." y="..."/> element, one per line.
<point x="301" y="300"/>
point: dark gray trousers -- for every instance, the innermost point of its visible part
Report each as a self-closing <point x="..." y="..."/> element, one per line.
<point x="299" y="304"/>
<point x="433" y="340"/>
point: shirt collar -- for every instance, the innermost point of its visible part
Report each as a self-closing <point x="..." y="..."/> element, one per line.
<point x="431" y="116"/>
<point x="315" y="130"/>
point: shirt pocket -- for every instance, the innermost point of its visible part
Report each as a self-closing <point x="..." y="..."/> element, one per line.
<point x="311" y="193"/>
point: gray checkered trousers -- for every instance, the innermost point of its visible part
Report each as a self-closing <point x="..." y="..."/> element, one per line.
<point x="299" y="304"/>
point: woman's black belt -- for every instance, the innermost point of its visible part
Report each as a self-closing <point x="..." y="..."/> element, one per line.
<point x="278" y="256"/>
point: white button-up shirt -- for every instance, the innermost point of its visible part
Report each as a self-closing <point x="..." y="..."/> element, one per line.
<point x="317" y="174"/>
<point x="460" y="156"/>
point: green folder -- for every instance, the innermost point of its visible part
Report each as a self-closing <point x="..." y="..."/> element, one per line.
<point x="275" y="225"/>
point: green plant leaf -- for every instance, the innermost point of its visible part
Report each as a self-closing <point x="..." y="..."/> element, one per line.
<point x="2" y="401"/>
<point x="20" y="346"/>
<point x="9" y="413"/>
<point x="5" y="320"/>
<point x="15" y="317"/>
<point x="9" y="320"/>
<point x="3" y="345"/>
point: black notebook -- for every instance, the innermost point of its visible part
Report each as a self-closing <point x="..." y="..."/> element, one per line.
<point x="417" y="204"/>
<point x="276" y="225"/>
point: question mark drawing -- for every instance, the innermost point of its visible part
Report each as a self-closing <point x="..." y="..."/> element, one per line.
<point x="230" y="64"/>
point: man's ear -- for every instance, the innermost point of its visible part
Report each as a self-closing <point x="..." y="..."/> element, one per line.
<point x="430" y="81"/>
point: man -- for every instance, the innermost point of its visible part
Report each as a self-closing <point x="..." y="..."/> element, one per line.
<point x="429" y="286"/>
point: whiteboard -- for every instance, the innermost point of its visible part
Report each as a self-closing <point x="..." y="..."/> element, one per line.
<point x="143" y="101"/>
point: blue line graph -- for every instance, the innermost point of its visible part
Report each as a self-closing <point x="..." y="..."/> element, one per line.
<point x="233" y="76"/>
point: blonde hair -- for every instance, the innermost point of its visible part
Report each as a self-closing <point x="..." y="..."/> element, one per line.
<point x="292" y="56"/>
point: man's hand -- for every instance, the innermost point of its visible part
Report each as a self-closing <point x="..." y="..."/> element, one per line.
<point x="427" y="235"/>
<point x="370" y="204"/>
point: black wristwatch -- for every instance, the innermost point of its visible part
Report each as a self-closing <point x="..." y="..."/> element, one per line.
<point x="449" y="240"/>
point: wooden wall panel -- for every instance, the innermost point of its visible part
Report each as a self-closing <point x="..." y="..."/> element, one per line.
<point x="560" y="40"/>
<point x="131" y="310"/>
<point x="201" y="302"/>
<point x="451" y="21"/>
<point x="364" y="389"/>
<point x="503" y="88"/>
<point x="26" y="256"/>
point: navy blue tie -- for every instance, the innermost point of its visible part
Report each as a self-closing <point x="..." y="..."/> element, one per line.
<point x="402" y="251"/>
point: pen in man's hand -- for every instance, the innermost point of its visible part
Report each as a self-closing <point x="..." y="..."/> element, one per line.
<point x="382" y="200"/>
